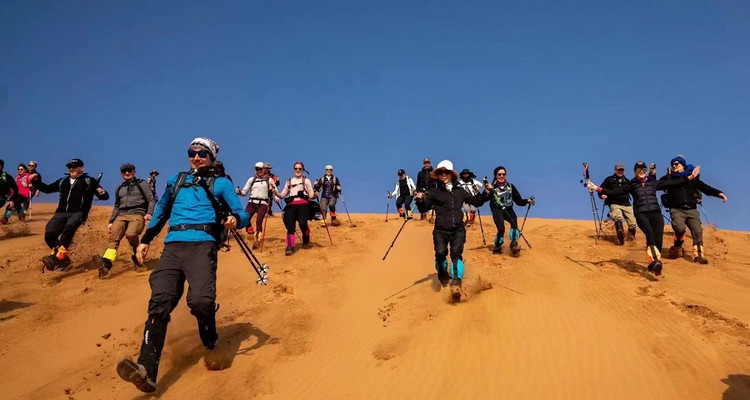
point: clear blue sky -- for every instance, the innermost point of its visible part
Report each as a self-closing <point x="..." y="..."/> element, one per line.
<point x="372" y="87"/>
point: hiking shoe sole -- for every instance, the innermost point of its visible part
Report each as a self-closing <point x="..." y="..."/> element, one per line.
<point x="49" y="263"/>
<point x="98" y="262"/>
<point x="657" y="268"/>
<point x="135" y="374"/>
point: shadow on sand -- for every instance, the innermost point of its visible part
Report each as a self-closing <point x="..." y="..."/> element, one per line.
<point x="230" y="338"/>
<point x="739" y="387"/>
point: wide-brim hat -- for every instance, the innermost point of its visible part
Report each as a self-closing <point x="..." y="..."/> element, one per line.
<point x="444" y="165"/>
<point x="466" y="171"/>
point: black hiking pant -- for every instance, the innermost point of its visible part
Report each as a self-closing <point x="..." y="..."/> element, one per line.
<point x="442" y="238"/>
<point x="297" y="214"/>
<point x="500" y="215"/>
<point x="61" y="228"/>
<point x="180" y="261"/>
<point x="402" y="200"/>
<point x="651" y="223"/>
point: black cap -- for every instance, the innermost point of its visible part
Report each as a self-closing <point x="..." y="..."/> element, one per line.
<point x="154" y="172"/>
<point x="75" y="162"/>
<point x="401" y="172"/>
<point x="127" y="166"/>
<point x="640" y="164"/>
<point x="2" y="163"/>
<point x="466" y="171"/>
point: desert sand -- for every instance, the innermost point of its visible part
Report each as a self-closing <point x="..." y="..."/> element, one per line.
<point x="571" y="318"/>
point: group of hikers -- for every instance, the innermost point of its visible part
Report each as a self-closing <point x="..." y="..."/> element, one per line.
<point x="16" y="193"/>
<point x="454" y="199"/>
<point x="202" y="204"/>
<point x="683" y="192"/>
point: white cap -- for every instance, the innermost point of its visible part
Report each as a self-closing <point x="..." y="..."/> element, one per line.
<point x="329" y="166"/>
<point x="259" y="164"/>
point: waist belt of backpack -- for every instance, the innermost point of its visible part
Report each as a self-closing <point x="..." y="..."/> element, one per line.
<point x="209" y="228"/>
<point x="687" y="207"/>
<point x="142" y="206"/>
<point x="257" y="200"/>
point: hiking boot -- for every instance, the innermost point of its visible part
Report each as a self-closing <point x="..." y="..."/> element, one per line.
<point x="401" y="215"/>
<point x="631" y="233"/>
<point x="456" y="289"/>
<point x="289" y="251"/>
<point x="217" y="358"/>
<point x="675" y="252"/>
<point x="514" y="249"/>
<point x="49" y="262"/>
<point x="256" y="244"/>
<point x="103" y="264"/>
<point x="443" y="277"/>
<point x="497" y="250"/>
<point x="620" y="238"/>
<point x="422" y="216"/>
<point x="657" y="267"/>
<point x="700" y="260"/>
<point x="307" y="245"/>
<point x="4" y="221"/>
<point x="135" y="374"/>
<point x="650" y="267"/>
<point x="335" y="222"/>
<point x="63" y="265"/>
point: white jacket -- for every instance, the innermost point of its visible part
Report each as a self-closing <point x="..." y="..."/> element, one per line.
<point x="471" y="187"/>
<point x="409" y="182"/>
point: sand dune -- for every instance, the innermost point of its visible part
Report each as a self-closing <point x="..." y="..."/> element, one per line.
<point x="568" y="319"/>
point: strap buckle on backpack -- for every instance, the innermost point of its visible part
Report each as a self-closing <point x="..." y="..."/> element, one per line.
<point x="209" y="228"/>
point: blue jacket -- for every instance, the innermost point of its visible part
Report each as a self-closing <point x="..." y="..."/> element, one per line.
<point x="192" y="206"/>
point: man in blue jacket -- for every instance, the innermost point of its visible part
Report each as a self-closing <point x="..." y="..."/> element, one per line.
<point x="198" y="205"/>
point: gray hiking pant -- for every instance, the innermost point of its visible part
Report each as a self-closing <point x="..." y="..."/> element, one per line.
<point x="328" y="203"/>
<point x="618" y="213"/>
<point x="682" y="219"/>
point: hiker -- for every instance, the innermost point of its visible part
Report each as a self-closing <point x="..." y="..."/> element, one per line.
<point x="646" y="208"/>
<point x="447" y="199"/>
<point x="152" y="182"/>
<point x="8" y="188"/>
<point x="32" y="171"/>
<point x="297" y="192"/>
<point x="424" y="182"/>
<point x="619" y="205"/>
<point x="134" y="206"/>
<point x="267" y="167"/>
<point x="329" y="187"/>
<point x="220" y="171"/>
<point x="199" y="206"/>
<point x="504" y="194"/>
<point x="261" y="189"/>
<point x="682" y="203"/>
<point x="404" y="191"/>
<point x="20" y="199"/>
<point x="77" y="190"/>
<point x="472" y="186"/>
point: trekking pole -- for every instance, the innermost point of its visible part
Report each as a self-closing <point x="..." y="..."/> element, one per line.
<point x="591" y="196"/>
<point x="388" y="206"/>
<point x="399" y="232"/>
<point x="484" y="242"/>
<point x="513" y="225"/>
<point x="260" y="269"/>
<point x="704" y="213"/>
<point x="346" y="208"/>
<point x="527" y="214"/>
<point x="325" y="224"/>
<point x="263" y="232"/>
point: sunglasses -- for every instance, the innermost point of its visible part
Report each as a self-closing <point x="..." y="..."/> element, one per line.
<point x="442" y="172"/>
<point x="200" y="153"/>
<point x="126" y="170"/>
<point x="674" y="164"/>
<point x="328" y="169"/>
<point x="21" y="169"/>
<point x="639" y="170"/>
<point x="500" y="174"/>
<point x="297" y="169"/>
<point x="258" y="169"/>
<point x="620" y="169"/>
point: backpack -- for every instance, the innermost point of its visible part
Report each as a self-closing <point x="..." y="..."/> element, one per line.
<point x="140" y="189"/>
<point x="221" y="209"/>
<point x="267" y="180"/>
<point x="290" y="198"/>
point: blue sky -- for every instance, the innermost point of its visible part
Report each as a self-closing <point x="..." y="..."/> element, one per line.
<point x="371" y="87"/>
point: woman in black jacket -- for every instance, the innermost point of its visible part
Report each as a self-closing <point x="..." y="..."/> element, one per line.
<point x="504" y="194"/>
<point x="447" y="199"/>
<point x="646" y="208"/>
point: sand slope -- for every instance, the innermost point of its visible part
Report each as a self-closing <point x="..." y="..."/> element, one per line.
<point x="569" y="319"/>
